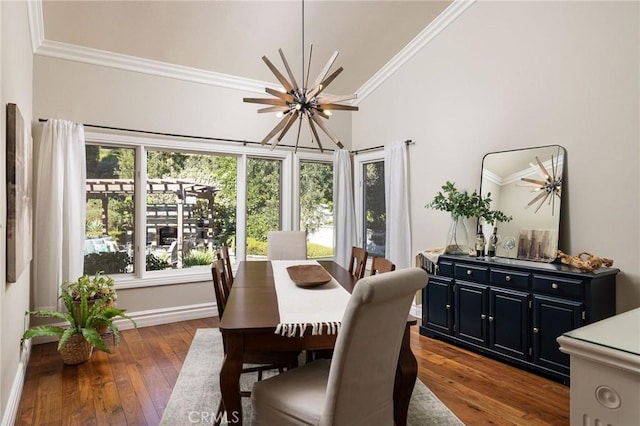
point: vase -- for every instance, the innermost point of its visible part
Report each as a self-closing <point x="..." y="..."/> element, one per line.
<point x="457" y="238"/>
<point x="77" y="350"/>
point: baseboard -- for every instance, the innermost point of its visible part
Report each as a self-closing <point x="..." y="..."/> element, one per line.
<point x="13" y="402"/>
<point x="168" y="315"/>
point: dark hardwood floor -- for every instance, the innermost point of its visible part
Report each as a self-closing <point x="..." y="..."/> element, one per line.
<point x="132" y="385"/>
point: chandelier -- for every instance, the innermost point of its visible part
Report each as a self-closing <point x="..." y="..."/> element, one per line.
<point x="549" y="187"/>
<point x="302" y="102"/>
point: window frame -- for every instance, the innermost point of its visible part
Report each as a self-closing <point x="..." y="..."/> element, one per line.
<point x="289" y="201"/>
<point x="360" y="162"/>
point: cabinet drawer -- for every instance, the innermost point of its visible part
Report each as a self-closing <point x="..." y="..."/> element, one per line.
<point x="471" y="272"/>
<point x="445" y="269"/>
<point x="511" y="279"/>
<point x="562" y="287"/>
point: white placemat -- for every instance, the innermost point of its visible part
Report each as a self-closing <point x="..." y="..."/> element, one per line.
<point x="320" y="308"/>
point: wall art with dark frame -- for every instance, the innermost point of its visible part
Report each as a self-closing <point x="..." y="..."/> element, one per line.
<point x="19" y="193"/>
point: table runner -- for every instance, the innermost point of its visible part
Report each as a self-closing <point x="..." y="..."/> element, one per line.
<point x="320" y="307"/>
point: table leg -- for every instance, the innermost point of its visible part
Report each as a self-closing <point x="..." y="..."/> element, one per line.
<point x="406" y="374"/>
<point x="230" y="378"/>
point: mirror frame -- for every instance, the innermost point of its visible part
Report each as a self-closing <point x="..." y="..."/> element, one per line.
<point x="527" y="185"/>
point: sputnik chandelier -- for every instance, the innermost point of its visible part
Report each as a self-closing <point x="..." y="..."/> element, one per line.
<point x="548" y="188"/>
<point x="304" y="102"/>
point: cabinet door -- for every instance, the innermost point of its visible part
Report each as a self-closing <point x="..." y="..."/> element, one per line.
<point x="509" y="322"/>
<point x="437" y="310"/>
<point x="471" y="312"/>
<point x="551" y="318"/>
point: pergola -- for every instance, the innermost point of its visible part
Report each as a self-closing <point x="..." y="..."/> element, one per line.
<point x="101" y="189"/>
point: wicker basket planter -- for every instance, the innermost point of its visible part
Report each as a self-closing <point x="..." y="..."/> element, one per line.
<point x="76" y="351"/>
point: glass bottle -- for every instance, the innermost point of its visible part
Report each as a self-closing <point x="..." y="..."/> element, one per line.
<point x="493" y="242"/>
<point x="479" y="244"/>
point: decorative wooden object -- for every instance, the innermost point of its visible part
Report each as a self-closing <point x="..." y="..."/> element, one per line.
<point x="308" y="275"/>
<point x="584" y="261"/>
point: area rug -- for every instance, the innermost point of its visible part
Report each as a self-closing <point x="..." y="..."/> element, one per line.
<point x="196" y="395"/>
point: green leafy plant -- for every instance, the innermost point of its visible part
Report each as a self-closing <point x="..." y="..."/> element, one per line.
<point x="197" y="258"/>
<point x="464" y="205"/>
<point x="94" y="287"/>
<point x="154" y="263"/>
<point x="81" y="320"/>
<point x="108" y="262"/>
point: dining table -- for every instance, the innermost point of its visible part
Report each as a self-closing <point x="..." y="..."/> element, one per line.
<point x="249" y="324"/>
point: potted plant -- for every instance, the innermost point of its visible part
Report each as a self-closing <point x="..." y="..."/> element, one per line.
<point x="97" y="287"/>
<point x="462" y="205"/>
<point x="80" y="335"/>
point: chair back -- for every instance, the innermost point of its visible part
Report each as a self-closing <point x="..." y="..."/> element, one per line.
<point x="363" y="368"/>
<point x="358" y="262"/>
<point x="380" y="265"/>
<point x="223" y="253"/>
<point x="286" y="245"/>
<point x="220" y="287"/>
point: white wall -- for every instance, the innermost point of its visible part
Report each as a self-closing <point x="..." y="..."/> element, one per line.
<point x="509" y="75"/>
<point x="16" y="87"/>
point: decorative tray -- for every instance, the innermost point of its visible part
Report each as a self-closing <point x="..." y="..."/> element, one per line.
<point x="308" y="275"/>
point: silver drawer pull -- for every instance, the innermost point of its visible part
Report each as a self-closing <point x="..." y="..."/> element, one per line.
<point x="507" y="278"/>
<point x="447" y="306"/>
<point x="490" y="318"/>
<point x="535" y="330"/>
<point x="554" y="286"/>
<point x="469" y="272"/>
<point x="483" y="316"/>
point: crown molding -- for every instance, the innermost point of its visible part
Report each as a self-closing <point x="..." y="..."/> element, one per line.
<point x="86" y="55"/>
<point x="450" y="14"/>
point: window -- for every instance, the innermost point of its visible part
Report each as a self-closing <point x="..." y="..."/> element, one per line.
<point x="156" y="214"/>
<point x="263" y="203"/>
<point x="374" y="214"/>
<point x="190" y="208"/>
<point x="109" y="226"/>
<point x="316" y="207"/>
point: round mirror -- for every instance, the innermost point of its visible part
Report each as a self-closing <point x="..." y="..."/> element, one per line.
<point x="525" y="184"/>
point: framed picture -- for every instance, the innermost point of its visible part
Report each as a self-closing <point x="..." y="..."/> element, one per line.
<point x="19" y="193"/>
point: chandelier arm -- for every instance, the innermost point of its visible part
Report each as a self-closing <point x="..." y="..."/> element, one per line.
<point x="327" y="81"/>
<point x="537" y="182"/>
<point x="326" y="69"/>
<point x="266" y="101"/>
<point x="545" y="173"/>
<point x="306" y="83"/>
<point x="329" y="99"/>
<point x="328" y="131"/>
<point x="273" y="109"/>
<point x="281" y="78"/>
<point x="278" y="94"/>
<point x="312" y="94"/>
<point x="339" y="107"/>
<point x="275" y="130"/>
<point x="315" y="132"/>
<point x="292" y="118"/>
<point x="541" y="195"/>
<point x="286" y="66"/>
<point x="541" y="202"/>
<point x="295" y="150"/>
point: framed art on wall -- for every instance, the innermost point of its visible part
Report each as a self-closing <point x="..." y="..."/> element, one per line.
<point x="19" y="193"/>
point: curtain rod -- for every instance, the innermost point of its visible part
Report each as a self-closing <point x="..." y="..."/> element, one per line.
<point x="176" y="135"/>
<point x="243" y="142"/>
<point x="407" y="143"/>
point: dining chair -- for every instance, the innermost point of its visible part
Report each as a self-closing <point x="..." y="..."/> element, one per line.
<point x="286" y="245"/>
<point x="356" y="386"/>
<point x="255" y="362"/>
<point x="358" y="262"/>
<point x="223" y="253"/>
<point x="380" y="265"/>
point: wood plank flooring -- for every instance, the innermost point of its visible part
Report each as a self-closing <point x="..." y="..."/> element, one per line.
<point x="132" y="385"/>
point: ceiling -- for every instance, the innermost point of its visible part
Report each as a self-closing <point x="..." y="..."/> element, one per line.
<point x="230" y="37"/>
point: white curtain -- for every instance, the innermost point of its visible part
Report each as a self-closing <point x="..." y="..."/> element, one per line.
<point x="344" y="215"/>
<point x="59" y="210"/>
<point x="398" y="238"/>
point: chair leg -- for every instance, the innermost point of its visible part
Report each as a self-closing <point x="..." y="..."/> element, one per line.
<point x="218" y="418"/>
<point x="259" y="375"/>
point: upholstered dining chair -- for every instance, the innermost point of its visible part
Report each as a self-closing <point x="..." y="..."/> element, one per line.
<point x="286" y="245"/>
<point x="356" y="386"/>
<point x="358" y="262"/>
<point x="380" y="265"/>
<point x="255" y="362"/>
<point x="223" y="253"/>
